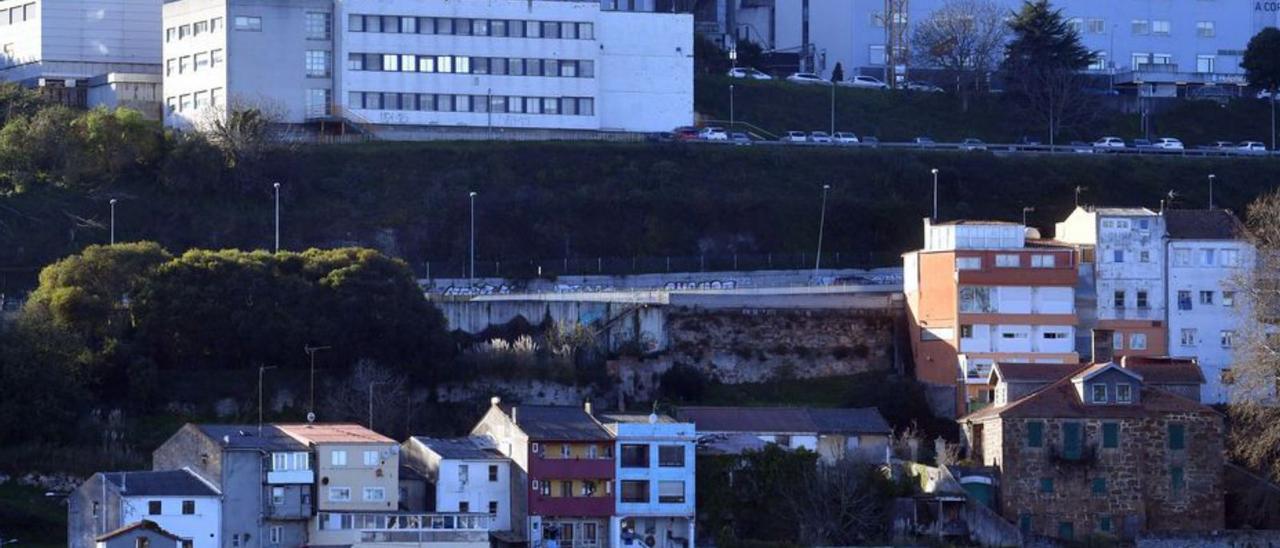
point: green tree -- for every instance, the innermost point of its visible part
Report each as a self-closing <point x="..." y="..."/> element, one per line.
<point x="1042" y="66"/>
<point x="16" y="100"/>
<point x="837" y="74"/>
<point x="42" y="383"/>
<point x="1262" y="59"/>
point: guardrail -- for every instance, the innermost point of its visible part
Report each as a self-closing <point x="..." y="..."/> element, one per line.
<point x="1002" y="148"/>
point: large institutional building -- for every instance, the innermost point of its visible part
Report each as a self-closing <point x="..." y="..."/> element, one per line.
<point x="467" y="65"/>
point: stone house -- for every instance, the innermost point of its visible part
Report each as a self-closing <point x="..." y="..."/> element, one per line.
<point x="1101" y="451"/>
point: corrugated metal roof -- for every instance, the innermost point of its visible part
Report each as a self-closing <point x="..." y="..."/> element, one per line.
<point x="459" y="448"/>
<point x="240" y="436"/>
<point x="1203" y="224"/>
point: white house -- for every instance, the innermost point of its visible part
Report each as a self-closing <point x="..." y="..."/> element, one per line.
<point x="178" y="501"/>
<point x="656" y="480"/>
<point x="1208" y="255"/>
<point x="466" y="475"/>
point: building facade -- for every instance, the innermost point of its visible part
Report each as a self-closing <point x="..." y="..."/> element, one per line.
<point x="399" y="65"/>
<point x="1208" y="257"/>
<point x="656" y="481"/>
<point x="1122" y="273"/>
<point x="1101" y="452"/>
<point x="834" y="434"/>
<point x="464" y="475"/>
<point x="981" y="292"/>
<point x="178" y="501"/>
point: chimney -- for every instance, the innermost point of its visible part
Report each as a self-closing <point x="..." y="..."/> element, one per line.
<point x="514" y="417"/>
<point x="586" y="406"/>
<point x="494" y="401"/>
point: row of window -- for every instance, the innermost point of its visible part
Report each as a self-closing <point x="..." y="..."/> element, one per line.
<point x="585" y="488"/>
<point x="637" y="456"/>
<point x="508" y="28"/>
<point x="1206" y="257"/>
<point x="192" y="30"/>
<point x="370" y="458"/>
<point x="1099" y="393"/>
<point x="1206" y="298"/>
<point x="633" y="491"/>
<point x="1006" y="260"/>
<point x="194" y="102"/>
<point x="1118" y="256"/>
<point x="204" y="60"/>
<point x="465" y="507"/>
<point x="1098" y="485"/>
<point x="442" y="102"/>
<point x="1137" y="341"/>
<point x="17" y="14"/>
<point x="572" y="451"/>
<point x="1072" y="434"/>
<point x="966" y="332"/>
<point x="156" y="507"/>
<point x="464" y="473"/>
<point x="1190" y="336"/>
<point x="457" y="64"/>
<point x="370" y="494"/>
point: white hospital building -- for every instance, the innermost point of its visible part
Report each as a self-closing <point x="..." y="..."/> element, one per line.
<point x="398" y="67"/>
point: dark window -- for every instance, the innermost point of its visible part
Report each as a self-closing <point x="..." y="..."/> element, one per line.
<point x="462" y="27"/>
<point x="1176" y="479"/>
<point x="1184" y="300"/>
<point x="1099" y="486"/>
<point x="1024" y="523"/>
<point x="671" y="455"/>
<point x="1142" y="299"/>
<point x="1104" y="524"/>
<point x="635" y="491"/>
<point x="1035" y="434"/>
<point x="493" y="507"/>
<point x="188" y="507"/>
<point x="464" y="507"/>
<point x="153" y="507"/>
<point x="493" y="472"/>
<point x="1071" y="440"/>
<point x="1066" y="531"/>
<point x="1110" y="435"/>
<point x="1177" y="437"/>
<point x="550" y="29"/>
<point x="1046" y="485"/>
<point x="635" y="456"/>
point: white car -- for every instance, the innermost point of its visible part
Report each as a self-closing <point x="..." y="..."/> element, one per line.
<point x="749" y="73"/>
<point x="795" y="137"/>
<point x="922" y="86"/>
<point x="1253" y="146"/>
<point x="1109" y="142"/>
<point x="1168" y="143"/>
<point x="807" y="78"/>
<point x="844" y="138"/>
<point x="713" y="134"/>
<point x="819" y="137"/>
<point x="1266" y="94"/>
<point x="867" y="82"/>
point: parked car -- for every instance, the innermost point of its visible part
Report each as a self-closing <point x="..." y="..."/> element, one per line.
<point x="1266" y="94"/>
<point x="1081" y="147"/>
<point x="971" y="144"/>
<point x="807" y="78"/>
<point x="1142" y="143"/>
<point x="739" y="138"/>
<point x="1028" y="141"/>
<point x="924" y="141"/>
<point x="845" y="138"/>
<point x="686" y="133"/>
<point x="795" y="137"/>
<point x="922" y="86"/>
<point x="749" y="73"/>
<point x="1252" y="146"/>
<point x="711" y="133"/>
<point x="868" y="82"/>
<point x="1221" y="145"/>
<point x="870" y="141"/>
<point x="1109" y="142"/>
<point x="1169" y="143"/>
<point x="661" y="137"/>
<point x="819" y="137"/>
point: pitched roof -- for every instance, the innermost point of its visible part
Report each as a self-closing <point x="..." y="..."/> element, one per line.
<point x="459" y="448"/>
<point x="634" y="418"/>
<point x="333" y="433"/>
<point x="1203" y="224"/>
<point x="979" y="222"/>
<point x="242" y="436"/>
<point x="160" y="483"/>
<point x="786" y="419"/>
<point x="1123" y="211"/>
<point x="556" y="423"/>
<point x="1165" y="370"/>
<point x="1097" y="368"/>
<point x="1060" y="400"/>
<point x="144" y="524"/>
<point x="1013" y="372"/>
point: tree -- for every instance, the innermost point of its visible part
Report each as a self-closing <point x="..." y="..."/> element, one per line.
<point x="837" y="74"/>
<point x="837" y="505"/>
<point x="1262" y="59"/>
<point x="1042" y="66"/>
<point x="964" y="40"/>
<point x="1255" y="429"/>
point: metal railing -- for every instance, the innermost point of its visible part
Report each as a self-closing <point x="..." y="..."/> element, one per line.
<point x="569" y="266"/>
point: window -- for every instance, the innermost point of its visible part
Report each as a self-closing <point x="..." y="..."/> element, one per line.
<point x="199" y="28"/>
<point x="1072" y="440"/>
<point x="277" y="496"/>
<point x="408" y="25"/>
<point x="168" y="33"/>
<point x="1104" y="524"/>
<point x="317" y="63"/>
<point x="390" y="24"/>
<point x="1066" y="530"/>
<point x="355" y="23"/>
<point x="1144" y="256"/>
<point x="1205" y="29"/>
<point x="184" y="31"/>
<point x="566" y="489"/>
<point x="426" y="63"/>
<point x="391" y="63"/>
<point x="976" y="299"/>
<point x="1035" y="434"/>
<point x="462" y="65"/>
<point x="338" y="458"/>
<point x="1124" y="393"/>
<point x="276" y="534"/>
<point x="671" y="492"/>
<point x="968" y="263"/>
<point x="1117" y="299"/>
<point x="408" y="63"/>
<point x="1228" y="298"/>
<point x="464" y="473"/>
<point x="493" y="507"/>
<point x="215" y="24"/>
<point x="318" y="26"/>
<point x="375" y="494"/>
<point x="184" y="64"/>
<point x="565" y="451"/>
<point x="1229" y="257"/>
<point x="586" y="31"/>
<point x="1177" y="481"/>
<point x="1188" y="337"/>
<point x="1206" y="297"/>
<point x="1111" y="430"/>
<point x="1042" y="261"/>
<point x="493" y="472"/>
<point x="1117" y="256"/>
<point x="248" y="23"/>
<point x="200" y="100"/>
<point x="1076" y="24"/>
<point x="1140" y="26"/>
<point x="1142" y="298"/>
<point x="1139" y="59"/>
<point x="1046" y="485"/>
<point x="444" y="63"/>
<point x="635" y="455"/>
<point x="1160" y="27"/>
<point x="1206" y="257"/>
<point x="1205" y="63"/>
<point x="215" y="98"/>
<point x="1117" y="340"/>
<point x="1099" y="393"/>
<point x="339" y="494"/>
<point x="1138" y="341"/>
<point x="1227" y="338"/>
<point x="1096" y="26"/>
<point x="1177" y="437"/>
<point x="142" y="542"/>
<point x="966" y="332"/>
<point x="671" y="456"/>
<point x="1182" y="257"/>
<point x="154" y="507"/>
<point x="215" y="58"/>
<point x="169" y="65"/>
<point x="1006" y="261"/>
<point x="318" y="101"/>
<point x="1054" y="335"/>
<point x="188" y="507"/>
<point x="1099" y="486"/>
<point x="1024" y="524"/>
<point x="550" y="105"/>
<point x="635" y="491"/>
<point x="876" y="55"/>
<point x="1184" y="300"/>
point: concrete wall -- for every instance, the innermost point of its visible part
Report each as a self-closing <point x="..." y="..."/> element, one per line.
<point x="671" y="281"/>
<point x="510" y="441"/>
<point x="78" y="39"/>
<point x="356" y="475"/>
<point x="645" y="71"/>
<point x="202" y="527"/>
<point x="82" y="525"/>
<point x="1204" y="323"/>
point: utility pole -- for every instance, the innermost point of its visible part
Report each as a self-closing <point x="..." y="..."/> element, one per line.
<point x="822" y="224"/>
<point x="934" y="171"/>
<point x="277" y="189"/>
<point x="1025" y="210"/>
<point x="732" y="119"/>
<point x="113" y="221"/>
<point x="371" y="385"/>
<point x="1211" y="178"/>
<point x="833" y="110"/>
<point x="472" y="271"/>
<point x="311" y="353"/>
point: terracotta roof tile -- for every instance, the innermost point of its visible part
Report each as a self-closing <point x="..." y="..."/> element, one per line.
<point x="333" y="433"/>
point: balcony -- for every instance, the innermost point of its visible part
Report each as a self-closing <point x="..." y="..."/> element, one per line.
<point x="1058" y="276"/>
<point x="1130" y="313"/>
<point x="1087" y="456"/>
<point x="600" y="468"/>
<point x="350" y="528"/>
<point x="543" y="505"/>
<point x="277" y="477"/>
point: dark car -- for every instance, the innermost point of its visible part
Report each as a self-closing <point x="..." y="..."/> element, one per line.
<point x="661" y="137"/>
<point x="739" y="138"/>
<point x="686" y="133"/>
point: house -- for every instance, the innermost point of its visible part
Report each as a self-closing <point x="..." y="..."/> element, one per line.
<point x="141" y="534"/>
<point x="979" y="292"/>
<point x="1180" y="376"/>
<point x="106" y="505"/>
<point x="1208" y="256"/>
<point x="266" y="478"/>
<point x="463" y="475"/>
<point x="1010" y="381"/>
<point x="564" y="473"/>
<point x="1102" y="450"/>
<point x="832" y="433"/>
<point x="656" y="480"/>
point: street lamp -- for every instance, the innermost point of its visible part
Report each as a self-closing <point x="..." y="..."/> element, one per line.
<point x="822" y="223"/>
<point x="113" y="223"/>
<point x="261" y="369"/>
<point x="1025" y="210"/>
<point x="472" y="196"/>
<point x="934" y="171"/>
<point x="276" y="186"/>
<point x="732" y="119"/>
<point x="1211" y="178"/>
<point x="833" y="109"/>
<point x="311" y="353"/>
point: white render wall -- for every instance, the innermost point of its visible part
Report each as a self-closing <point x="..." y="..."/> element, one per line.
<point x="182" y="83"/>
<point x="202" y="527"/>
<point x="645" y="71"/>
<point x="1130" y="258"/>
<point x="655" y="435"/>
<point x="477" y="491"/>
<point x="1188" y="271"/>
<point x="79" y="39"/>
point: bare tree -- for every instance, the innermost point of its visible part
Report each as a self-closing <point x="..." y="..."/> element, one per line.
<point x="1255" y="429"/>
<point x="836" y="504"/>
<point x="349" y="400"/>
<point x="963" y="39"/>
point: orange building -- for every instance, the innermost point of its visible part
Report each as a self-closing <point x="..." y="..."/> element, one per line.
<point x="981" y="292"/>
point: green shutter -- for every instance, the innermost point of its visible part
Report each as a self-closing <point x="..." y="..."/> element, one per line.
<point x="1024" y="523"/>
<point x="1176" y="479"/>
<point x="1104" y="524"/>
<point x="1066" y="530"/>
<point x="1071" y="440"/>
<point x="1046" y="485"/>
<point x="1110" y="435"/>
<point x="1035" y="434"/>
<point x="1099" y="486"/>
<point x="1177" y="437"/>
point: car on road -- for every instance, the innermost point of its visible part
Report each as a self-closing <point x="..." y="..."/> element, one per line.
<point x="685" y="133"/>
<point x="748" y="73"/>
<point x="712" y="133"/>
<point x="924" y="142"/>
<point x="1081" y="147"/>
<point x="739" y="138"/>
<point x="808" y="79"/>
<point x="1109" y="142"/>
<point x="1028" y="141"/>
<point x="869" y="82"/>
<point x="844" y="138"/>
<point x="820" y="137"/>
<point x="1169" y="143"/>
<point x="1252" y="146"/>
<point x="912" y="85"/>
<point x="972" y="144"/>
<point x="795" y="137"/>
<point x="870" y="141"/>
<point x="1142" y="144"/>
<point x="1221" y="145"/>
<point x="1266" y="94"/>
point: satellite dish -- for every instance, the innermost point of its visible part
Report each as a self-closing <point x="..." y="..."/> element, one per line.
<point x="311" y="417"/>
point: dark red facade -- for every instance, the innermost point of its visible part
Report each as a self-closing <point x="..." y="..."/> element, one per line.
<point x="556" y="470"/>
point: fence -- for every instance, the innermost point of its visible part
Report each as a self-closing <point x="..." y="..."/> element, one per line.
<point x="617" y="266"/>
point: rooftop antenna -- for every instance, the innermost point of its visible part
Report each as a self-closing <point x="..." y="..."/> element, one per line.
<point x="1079" y="189"/>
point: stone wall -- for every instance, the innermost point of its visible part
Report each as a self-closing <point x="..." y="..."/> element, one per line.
<point x="1210" y="539"/>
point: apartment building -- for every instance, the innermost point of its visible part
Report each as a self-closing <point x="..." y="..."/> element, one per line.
<point x="1208" y="257"/>
<point x="401" y="66"/>
<point x="1101" y="451"/>
<point x="84" y="52"/>
<point x="656" y="482"/>
<point x="834" y="434"/>
<point x="180" y="502"/>
<point x="979" y="292"/>
<point x="464" y="475"/>
<point x="1122" y="279"/>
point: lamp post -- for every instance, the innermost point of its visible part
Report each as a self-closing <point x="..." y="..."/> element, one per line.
<point x="934" y="171"/>
<point x="732" y="119"/>
<point x="113" y="221"/>
<point x="276" y="186"/>
<point x="472" y="271"/>
<point x="833" y="110"/>
<point x="1025" y="210"/>
<point x="822" y="224"/>
<point x="311" y="353"/>
<point x="261" y="369"/>
<point x="1211" y="178"/>
<point x="371" y="385"/>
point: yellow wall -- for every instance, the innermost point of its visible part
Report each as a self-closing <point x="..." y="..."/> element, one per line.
<point x="603" y="488"/>
<point x="576" y="450"/>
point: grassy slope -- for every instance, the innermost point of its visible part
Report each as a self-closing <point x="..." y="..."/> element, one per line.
<point x="32" y="518"/>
